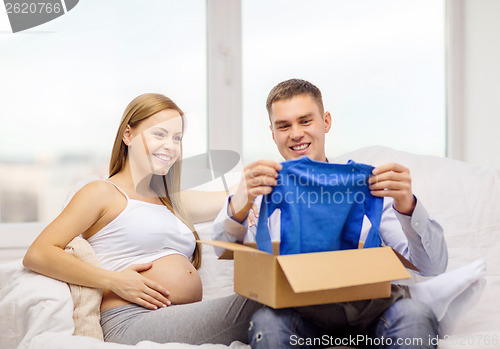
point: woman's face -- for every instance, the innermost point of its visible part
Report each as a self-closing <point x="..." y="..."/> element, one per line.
<point x="155" y="143"/>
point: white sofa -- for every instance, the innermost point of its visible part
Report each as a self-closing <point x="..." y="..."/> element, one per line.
<point x="36" y="312"/>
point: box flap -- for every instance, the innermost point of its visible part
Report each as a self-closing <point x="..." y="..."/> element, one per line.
<point x="228" y="253"/>
<point x="232" y="246"/>
<point x="406" y="262"/>
<point x="276" y="246"/>
<point x="328" y="270"/>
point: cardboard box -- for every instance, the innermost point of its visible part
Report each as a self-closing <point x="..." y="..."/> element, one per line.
<point x="314" y="278"/>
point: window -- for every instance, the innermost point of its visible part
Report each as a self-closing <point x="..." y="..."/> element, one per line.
<point x="379" y="64"/>
<point x="64" y="86"/>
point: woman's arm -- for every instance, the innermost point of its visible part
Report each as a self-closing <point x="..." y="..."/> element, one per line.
<point x="202" y="206"/>
<point x="47" y="256"/>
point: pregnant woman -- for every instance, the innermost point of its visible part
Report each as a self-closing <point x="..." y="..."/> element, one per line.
<point x="144" y="240"/>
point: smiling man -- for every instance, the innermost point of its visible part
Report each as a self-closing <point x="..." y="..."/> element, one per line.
<point x="299" y="125"/>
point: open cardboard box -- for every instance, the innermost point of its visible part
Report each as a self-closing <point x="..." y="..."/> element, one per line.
<point x="314" y="278"/>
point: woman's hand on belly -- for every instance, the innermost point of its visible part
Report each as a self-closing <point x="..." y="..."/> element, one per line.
<point x="175" y="273"/>
<point x="131" y="285"/>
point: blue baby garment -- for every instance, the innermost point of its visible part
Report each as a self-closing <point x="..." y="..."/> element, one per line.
<point x="322" y="207"/>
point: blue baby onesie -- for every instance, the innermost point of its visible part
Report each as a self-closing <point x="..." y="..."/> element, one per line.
<point x="322" y="207"/>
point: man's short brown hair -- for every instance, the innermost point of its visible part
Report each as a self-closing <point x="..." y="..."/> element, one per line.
<point x="292" y="88"/>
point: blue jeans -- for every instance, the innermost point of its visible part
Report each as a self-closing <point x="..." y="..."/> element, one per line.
<point x="404" y="324"/>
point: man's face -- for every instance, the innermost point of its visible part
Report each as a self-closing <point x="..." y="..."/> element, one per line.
<point x="299" y="128"/>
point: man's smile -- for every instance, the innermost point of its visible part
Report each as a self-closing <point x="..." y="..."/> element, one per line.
<point x="300" y="148"/>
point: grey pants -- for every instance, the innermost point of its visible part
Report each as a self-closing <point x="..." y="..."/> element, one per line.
<point x="220" y="320"/>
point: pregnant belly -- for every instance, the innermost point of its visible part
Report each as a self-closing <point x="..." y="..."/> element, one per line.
<point x="175" y="273"/>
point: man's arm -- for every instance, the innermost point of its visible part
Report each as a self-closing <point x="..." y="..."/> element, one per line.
<point x="418" y="238"/>
<point x="422" y="241"/>
<point x="426" y="243"/>
<point x="231" y="223"/>
<point x="226" y="228"/>
<point x="258" y="178"/>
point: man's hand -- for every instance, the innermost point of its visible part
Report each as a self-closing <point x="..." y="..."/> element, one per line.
<point x="393" y="180"/>
<point x="258" y="178"/>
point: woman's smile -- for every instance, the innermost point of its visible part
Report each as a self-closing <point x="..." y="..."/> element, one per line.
<point x="163" y="157"/>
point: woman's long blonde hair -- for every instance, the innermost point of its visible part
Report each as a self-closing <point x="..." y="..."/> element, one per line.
<point x="141" y="108"/>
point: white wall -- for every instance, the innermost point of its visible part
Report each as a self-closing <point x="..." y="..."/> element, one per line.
<point x="481" y="76"/>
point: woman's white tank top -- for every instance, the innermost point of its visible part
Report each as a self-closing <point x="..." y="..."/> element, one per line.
<point x="141" y="233"/>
